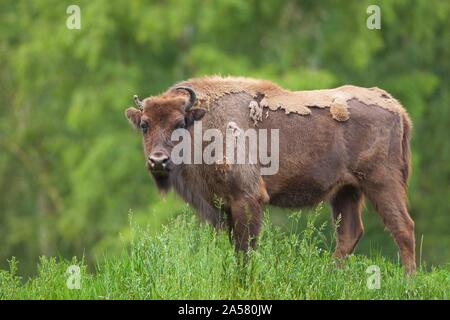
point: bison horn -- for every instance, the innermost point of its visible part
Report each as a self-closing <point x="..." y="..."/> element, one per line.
<point x="192" y="98"/>
<point x="138" y="102"/>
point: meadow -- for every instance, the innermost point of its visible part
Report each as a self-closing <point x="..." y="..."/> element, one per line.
<point x="188" y="259"/>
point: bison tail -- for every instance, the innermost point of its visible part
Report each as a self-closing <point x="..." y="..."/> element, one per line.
<point x="406" y="152"/>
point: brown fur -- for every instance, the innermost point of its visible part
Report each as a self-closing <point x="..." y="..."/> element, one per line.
<point x="365" y="153"/>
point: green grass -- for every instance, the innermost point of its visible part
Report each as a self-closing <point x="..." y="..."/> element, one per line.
<point x="190" y="260"/>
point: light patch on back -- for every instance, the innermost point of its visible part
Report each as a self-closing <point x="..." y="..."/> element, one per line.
<point x="210" y="89"/>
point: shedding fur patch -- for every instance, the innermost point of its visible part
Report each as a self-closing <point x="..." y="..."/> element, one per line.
<point x="339" y="109"/>
<point x="263" y="195"/>
<point x="222" y="166"/>
<point x="210" y="89"/>
<point x="256" y="112"/>
<point x="234" y="128"/>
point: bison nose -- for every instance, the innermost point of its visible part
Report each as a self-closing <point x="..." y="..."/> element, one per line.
<point x="158" y="160"/>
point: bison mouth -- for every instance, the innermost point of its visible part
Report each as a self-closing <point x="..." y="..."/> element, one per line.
<point x="160" y="174"/>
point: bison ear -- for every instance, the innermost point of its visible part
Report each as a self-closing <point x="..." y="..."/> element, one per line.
<point x="194" y="115"/>
<point x="197" y="114"/>
<point x="134" y="116"/>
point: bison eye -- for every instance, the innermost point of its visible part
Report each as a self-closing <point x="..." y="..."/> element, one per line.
<point x="144" y="126"/>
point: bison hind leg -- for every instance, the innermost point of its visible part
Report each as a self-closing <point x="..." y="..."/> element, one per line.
<point x="389" y="200"/>
<point x="346" y="207"/>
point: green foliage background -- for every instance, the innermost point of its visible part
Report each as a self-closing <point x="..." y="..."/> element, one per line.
<point x="70" y="166"/>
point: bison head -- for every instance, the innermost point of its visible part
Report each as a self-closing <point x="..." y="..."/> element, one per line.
<point x="157" y="117"/>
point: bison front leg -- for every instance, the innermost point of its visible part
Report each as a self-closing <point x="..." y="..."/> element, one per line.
<point x="245" y="222"/>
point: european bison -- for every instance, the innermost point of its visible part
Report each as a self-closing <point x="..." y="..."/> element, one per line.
<point x="337" y="145"/>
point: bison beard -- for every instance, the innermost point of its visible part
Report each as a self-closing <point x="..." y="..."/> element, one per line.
<point x="162" y="182"/>
<point x="338" y="145"/>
